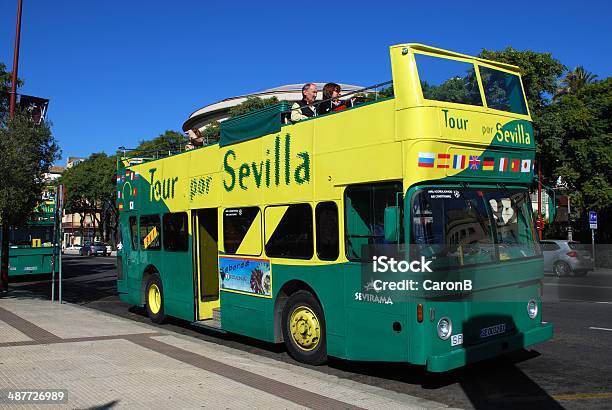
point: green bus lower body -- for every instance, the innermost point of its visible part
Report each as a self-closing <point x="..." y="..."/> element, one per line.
<point x="32" y="261"/>
<point x="371" y="329"/>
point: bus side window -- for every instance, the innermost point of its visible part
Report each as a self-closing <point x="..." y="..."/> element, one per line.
<point x="242" y="231"/>
<point x="150" y="232"/>
<point x="175" y="232"/>
<point x="134" y="232"/>
<point x="289" y="231"/>
<point x="326" y="217"/>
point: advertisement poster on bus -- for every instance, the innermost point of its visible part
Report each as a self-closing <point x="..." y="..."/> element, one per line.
<point x="246" y="275"/>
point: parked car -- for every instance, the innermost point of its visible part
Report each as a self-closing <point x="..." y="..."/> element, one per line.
<point x="72" y="250"/>
<point x="93" y="248"/>
<point x="566" y="257"/>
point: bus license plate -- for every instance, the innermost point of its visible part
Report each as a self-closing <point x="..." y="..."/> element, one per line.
<point x="457" y="340"/>
<point x="492" y="330"/>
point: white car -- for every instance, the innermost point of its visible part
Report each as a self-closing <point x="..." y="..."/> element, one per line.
<point x="72" y="250"/>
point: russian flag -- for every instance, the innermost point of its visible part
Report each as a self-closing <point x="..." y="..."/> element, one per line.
<point x="426" y="159"/>
<point x="459" y="162"/>
<point x="443" y="160"/>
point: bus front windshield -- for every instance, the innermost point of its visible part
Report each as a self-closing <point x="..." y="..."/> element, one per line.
<point x="472" y="226"/>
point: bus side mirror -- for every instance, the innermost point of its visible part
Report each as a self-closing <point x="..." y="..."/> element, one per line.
<point x="391" y="222"/>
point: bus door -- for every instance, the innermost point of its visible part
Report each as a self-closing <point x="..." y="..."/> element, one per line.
<point x="206" y="260"/>
<point x="129" y="255"/>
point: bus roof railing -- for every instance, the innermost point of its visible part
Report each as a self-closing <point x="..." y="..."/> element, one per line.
<point x="256" y="123"/>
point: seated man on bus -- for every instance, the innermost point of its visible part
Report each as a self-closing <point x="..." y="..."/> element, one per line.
<point x="305" y="108"/>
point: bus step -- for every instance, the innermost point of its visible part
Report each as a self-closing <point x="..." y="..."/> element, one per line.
<point x="217" y="314"/>
<point x="209" y="324"/>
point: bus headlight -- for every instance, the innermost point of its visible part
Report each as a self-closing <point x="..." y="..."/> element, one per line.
<point x="532" y="309"/>
<point x="445" y="328"/>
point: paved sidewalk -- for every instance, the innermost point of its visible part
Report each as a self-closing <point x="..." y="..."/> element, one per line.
<point x="108" y="362"/>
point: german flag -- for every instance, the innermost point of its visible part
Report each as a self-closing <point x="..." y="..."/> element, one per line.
<point x="488" y="164"/>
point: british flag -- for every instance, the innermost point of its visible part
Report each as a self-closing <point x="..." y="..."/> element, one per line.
<point x="474" y="161"/>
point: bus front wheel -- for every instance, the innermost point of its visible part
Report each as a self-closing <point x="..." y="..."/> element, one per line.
<point x="304" y="329"/>
<point x="155" y="299"/>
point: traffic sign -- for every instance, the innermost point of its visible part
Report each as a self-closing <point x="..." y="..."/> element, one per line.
<point x="593" y="219"/>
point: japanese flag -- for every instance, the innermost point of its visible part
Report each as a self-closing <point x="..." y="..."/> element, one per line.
<point x="526" y="165"/>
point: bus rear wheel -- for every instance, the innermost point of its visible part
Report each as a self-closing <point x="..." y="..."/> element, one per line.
<point x="155" y="299"/>
<point x="304" y="329"/>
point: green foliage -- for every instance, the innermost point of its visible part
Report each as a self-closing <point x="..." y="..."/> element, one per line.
<point x="5" y="88"/>
<point x="212" y="131"/>
<point x="169" y="141"/>
<point x="539" y="73"/>
<point x="581" y="123"/>
<point x="383" y="93"/>
<point x="459" y="90"/>
<point x="574" y="81"/>
<point x="91" y="186"/>
<point x="251" y="104"/>
<point x="28" y="151"/>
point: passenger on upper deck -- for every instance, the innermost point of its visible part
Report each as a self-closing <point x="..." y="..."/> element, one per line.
<point x="331" y="101"/>
<point x="304" y="108"/>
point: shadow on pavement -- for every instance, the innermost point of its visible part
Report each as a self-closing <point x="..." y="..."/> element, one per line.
<point x="496" y="383"/>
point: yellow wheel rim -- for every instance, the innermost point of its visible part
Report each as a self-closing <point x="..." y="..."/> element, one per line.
<point x="154" y="299"/>
<point x="305" y="328"/>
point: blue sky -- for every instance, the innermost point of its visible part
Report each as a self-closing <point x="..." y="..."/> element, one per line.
<point x="117" y="72"/>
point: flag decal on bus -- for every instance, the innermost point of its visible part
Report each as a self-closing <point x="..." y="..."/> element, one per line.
<point x="474" y="161"/>
<point x="503" y="164"/>
<point x="515" y="165"/>
<point x="459" y="162"/>
<point x="443" y="158"/>
<point x="426" y="159"/>
<point x="526" y="165"/>
<point x="488" y="164"/>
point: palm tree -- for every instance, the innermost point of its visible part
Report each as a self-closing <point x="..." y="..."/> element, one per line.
<point x="575" y="80"/>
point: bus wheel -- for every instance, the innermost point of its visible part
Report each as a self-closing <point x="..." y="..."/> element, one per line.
<point x="155" y="299"/>
<point x="304" y="329"/>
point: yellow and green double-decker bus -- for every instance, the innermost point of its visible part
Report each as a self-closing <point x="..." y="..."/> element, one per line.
<point x="278" y="231"/>
<point x="33" y="247"/>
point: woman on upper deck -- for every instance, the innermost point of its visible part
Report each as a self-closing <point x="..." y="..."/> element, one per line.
<point x="331" y="99"/>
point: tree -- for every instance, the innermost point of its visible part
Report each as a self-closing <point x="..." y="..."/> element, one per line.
<point x="28" y="151"/>
<point x="169" y="141"/>
<point x="212" y="131"/>
<point x="574" y="81"/>
<point x="581" y="122"/>
<point x="251" y="104"/>
<point x="91" y="190"/>
<point x="539" y="73"/>
<point x="5" y="88"/>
